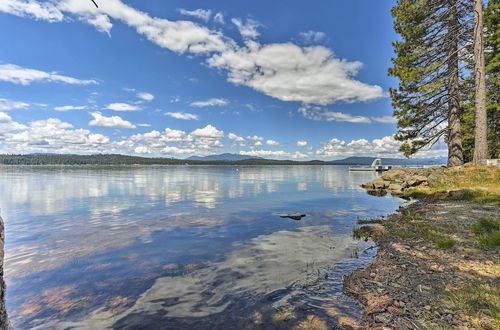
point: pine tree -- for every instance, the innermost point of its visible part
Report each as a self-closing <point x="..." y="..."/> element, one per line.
<point x="480" y="132"/>
<point x="492" y="59"/>
<point x="492" y="62"/>
<point x="427" y="63"/>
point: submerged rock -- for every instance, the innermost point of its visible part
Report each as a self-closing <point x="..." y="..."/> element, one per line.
<point x="295" y="216"/>
<point x="377" y="192"/>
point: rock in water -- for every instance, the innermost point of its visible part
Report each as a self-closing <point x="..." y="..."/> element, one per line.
<point x="296" y="216"/>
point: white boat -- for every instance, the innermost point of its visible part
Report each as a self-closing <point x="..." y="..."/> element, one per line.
<point x="376" y="166"/>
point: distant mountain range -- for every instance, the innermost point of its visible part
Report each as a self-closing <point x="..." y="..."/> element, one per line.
<point x="347" y="161"/>
<point x="389" y="161"/>
<point x="224" y="157"/>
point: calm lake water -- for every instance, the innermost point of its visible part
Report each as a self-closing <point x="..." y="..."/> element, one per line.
<point x="169" y="247"/>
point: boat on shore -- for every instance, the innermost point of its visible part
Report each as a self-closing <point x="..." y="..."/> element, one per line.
<point x="376" y="166"/>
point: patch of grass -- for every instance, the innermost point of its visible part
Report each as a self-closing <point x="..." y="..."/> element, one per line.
<point x="416" y="193"/>
<point x="413" y="229"/>
<point x="478" y="299"/>
<point x="490" y="240"/>
<point x="486" y="177"/>
<point x="427" y="231"/>
<point x="359" y="233"/>
<point x="407" y="213"/>
<point x="477" y="183"/>
<point x="489" y="231"/>
<point x="444" y="243"/>
<point x="370" y="221"/>
<point x="479" y="196"/>
<point x="486" y="225"/>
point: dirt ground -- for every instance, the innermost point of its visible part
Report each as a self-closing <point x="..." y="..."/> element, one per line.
<point x="430" y="272"/>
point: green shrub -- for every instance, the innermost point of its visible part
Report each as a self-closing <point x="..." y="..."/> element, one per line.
<point x="445" y="243"/>
<point x="486" y="225"/>
<point x="490" y="240"/>
<point x="358" y="233"/>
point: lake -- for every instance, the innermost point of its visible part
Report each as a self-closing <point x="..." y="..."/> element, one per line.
<point x="170" y="247"/>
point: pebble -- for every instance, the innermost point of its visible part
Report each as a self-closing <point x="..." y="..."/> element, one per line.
<point x="399" y="303"/>
<point x="394" y="310"/>
<point x="381" y="318"/>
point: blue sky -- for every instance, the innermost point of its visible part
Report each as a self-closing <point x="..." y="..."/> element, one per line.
<point x="305" y="80"/>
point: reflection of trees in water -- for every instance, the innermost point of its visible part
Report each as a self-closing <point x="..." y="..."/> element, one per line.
<point x="49" y="191"/>
<point x="96" y="202"/>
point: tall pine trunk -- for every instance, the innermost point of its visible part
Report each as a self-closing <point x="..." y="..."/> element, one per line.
<point x="480" y="133"/>
<point x="455" y="153"/>
<point x="4" y="323"/>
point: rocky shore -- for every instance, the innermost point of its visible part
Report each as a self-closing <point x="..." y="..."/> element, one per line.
<point x="398" y="180"/>
<point x="438" y="260"/>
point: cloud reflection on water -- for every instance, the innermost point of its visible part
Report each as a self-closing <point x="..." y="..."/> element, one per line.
<point x="57" y="217"/>
<point x="267" y="263"/>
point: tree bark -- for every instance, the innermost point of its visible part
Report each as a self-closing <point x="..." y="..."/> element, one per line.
<point x="455" y="152"/>
<point x="4" y="322"/>
<point x="480" y="133"/>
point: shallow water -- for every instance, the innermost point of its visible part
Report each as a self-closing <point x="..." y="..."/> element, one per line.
<point x="182" y="246"/>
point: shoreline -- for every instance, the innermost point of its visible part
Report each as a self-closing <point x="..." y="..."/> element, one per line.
<point x="430" y="270"/>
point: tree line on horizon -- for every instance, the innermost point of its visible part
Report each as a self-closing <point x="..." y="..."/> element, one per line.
<point x="117" y="159"/>
<point x="447" y="63"/>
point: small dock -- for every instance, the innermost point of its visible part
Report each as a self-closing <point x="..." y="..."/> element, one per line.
<point x="376" y="166"/>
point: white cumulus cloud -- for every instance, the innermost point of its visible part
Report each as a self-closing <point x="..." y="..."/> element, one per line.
<point x="255" y="138"/>
<point x="273" y="153"/>
<point x="70" y="107"/>
<point x="54" y="135"/>
<point x="210" y="103"/>
<point x="322" y="114"/>
<point x="203" y="14"/>
<point x="6" y="105"/>
<point x="312" y="37"/>
<point x="182" y="115"/>
<point x="39" y="10"/>
<point x="386" y="146"/>
<point x="235" y="137"/>
<point x="122" y="107"/>
<point x="146" y="96"/>
<point x="25" y="76"/>
<point x="113" y="121"/>
<point x="178" y="36"/>
<point x="301" y="143"/>
<point x="285" y="71"/>
<point x="205" y="140"/>
<point x="247" y="29"/>
<point x="208" y="131"/>
<point x="219" y="18"/>
<point x="272" y="143"/>
<point x="8" y="125"/>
